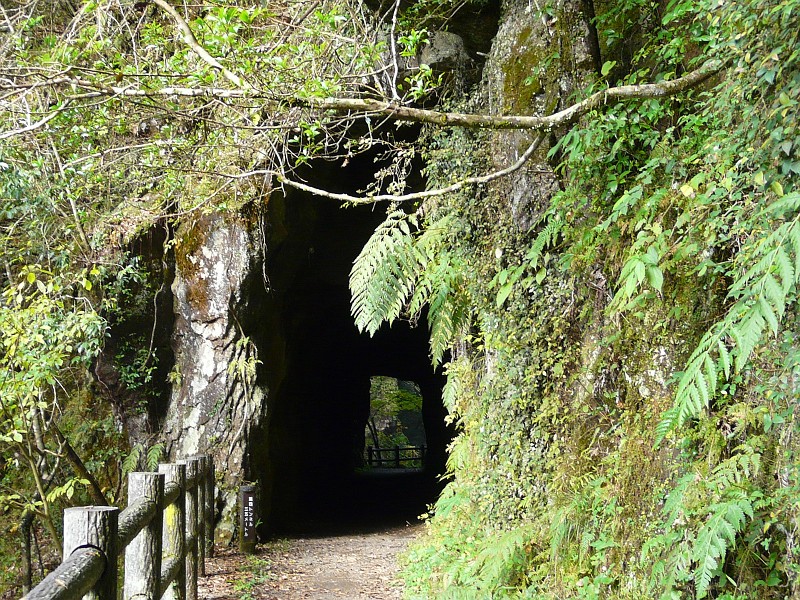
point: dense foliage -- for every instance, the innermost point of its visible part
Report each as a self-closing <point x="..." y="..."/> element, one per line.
<point x="624" y="371"/>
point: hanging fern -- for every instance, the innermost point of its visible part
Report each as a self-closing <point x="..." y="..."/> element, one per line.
<point x="384" y="273"/>
<point x="447" y="310"/>
<point x="760" y="296"/>
<point x="399" y="273"/>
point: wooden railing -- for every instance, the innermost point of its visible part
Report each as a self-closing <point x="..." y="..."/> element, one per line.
<point x="395" y="457"/>
<point x="165" y="534"/>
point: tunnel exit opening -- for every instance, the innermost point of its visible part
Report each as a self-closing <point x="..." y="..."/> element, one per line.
<point x="395" y="428"/>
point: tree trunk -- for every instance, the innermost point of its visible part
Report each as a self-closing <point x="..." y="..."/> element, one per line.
<point x="25" y="527"/>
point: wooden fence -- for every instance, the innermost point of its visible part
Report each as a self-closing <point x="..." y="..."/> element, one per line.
<point x="395" y="457"/>
<point x="164" y="534"/>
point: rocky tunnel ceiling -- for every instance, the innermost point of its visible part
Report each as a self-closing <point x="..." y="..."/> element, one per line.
<point x="318" y="366"/>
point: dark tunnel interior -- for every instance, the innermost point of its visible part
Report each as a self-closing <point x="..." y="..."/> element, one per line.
<point x="318" y="368"/>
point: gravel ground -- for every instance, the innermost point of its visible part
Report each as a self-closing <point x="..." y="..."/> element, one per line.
<point x="355" y="566"/>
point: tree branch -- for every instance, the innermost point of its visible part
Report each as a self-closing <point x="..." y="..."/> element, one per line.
<point x="38" y="124"/>
<point x="399" y="112"/>
<point x="417" y="195"/>
<point x="191" y="41"/>
<point x="568" y="115"/>
<point x="80" y="469"/>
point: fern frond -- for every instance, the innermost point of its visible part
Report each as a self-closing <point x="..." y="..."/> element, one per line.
<point x="789" y="203"/>
<point x="718" y="533"/>
<point x="668" y="422"/>
<point x="775" y="294"/>
<point x="724" y="358"/>
<point x="761" y="295"/>
<point x="708" y="551"/>
<point x="154" y="455"/>
<point x="734" y="471"/>
<point x="747" y="333"/>
<point x="400" y="271"/>
<point x="453" y="388"/>
<point x="545" y="238"/>
<point x="131" y="462"/>
<point x="503" y="558"/>
<point x="785" y="269"/>
<point x="674" y="504"/>
<point x="766" y="310"/>
<point x="383" y="274"/>
<point x="694" y="389"/>
<point x="446" y="315"/>
<point x="506" y="279"/>
<point x="794" y="240"/>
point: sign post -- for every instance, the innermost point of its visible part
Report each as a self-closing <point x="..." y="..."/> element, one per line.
<point x="248" y="504"/>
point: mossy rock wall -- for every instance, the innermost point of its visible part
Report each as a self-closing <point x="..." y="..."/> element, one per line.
<point x="216" y="399"/>
<point x="557" y="398"/>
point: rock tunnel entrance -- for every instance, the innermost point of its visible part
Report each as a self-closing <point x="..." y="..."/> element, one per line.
<point x="318" y="367"/>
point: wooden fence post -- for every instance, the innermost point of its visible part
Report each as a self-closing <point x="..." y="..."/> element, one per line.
<point x="94" y="526"/>
<point x="210" y="506"/>
<point x="192" y="475"/>
<point x="397" y="456"/>
<point x="143" y="554"/>
<point x="201" y="514"/>
<point x="174" y="537"/>
<point x="369" y="456"/>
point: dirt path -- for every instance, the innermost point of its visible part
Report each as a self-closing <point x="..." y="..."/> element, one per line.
<point x="356" y="567"/>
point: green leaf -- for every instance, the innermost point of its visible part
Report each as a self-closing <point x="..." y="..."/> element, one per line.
<point x="724" y="358"/>
<point x="655" y="277"/>
<point x="785" y="269"/>
<point x="639" y="271"/>
<point x="769" y="314"/>
<point x="504" y="292"/>
<point x="607" y="66"/>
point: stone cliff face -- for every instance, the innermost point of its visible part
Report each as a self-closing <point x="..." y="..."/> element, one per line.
<point x="216" y="401"/>
<point x="538" y="60"/>
<point x="271" y="376"/>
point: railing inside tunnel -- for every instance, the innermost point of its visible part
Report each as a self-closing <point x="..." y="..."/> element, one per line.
<point x="163" y="535"/>
<point x="396" y="457"/>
